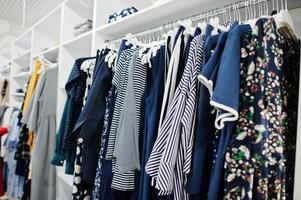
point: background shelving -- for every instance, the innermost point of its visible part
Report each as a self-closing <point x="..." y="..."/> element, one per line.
<point x="107" y="8"/>
<point x="21" y="63"/>
<point x="5" y="54"/>
<point x="75" y="13"/>
<point x="22" y="44"/>
<point x="70" y="51"/>
<point x="49" y="54"/>
<point x="46" y="33"/>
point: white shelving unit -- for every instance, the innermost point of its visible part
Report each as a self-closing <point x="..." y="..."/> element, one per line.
<point x="46" y="33"/>
<point x="53" y="38"/>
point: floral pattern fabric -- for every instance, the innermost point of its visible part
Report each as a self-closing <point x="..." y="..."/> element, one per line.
<point x="78" y="191"/>
<point x="97" y="190"/>
<point x="255" y="165"/>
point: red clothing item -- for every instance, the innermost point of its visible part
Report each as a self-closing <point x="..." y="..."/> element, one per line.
<point x="3" y="131"/>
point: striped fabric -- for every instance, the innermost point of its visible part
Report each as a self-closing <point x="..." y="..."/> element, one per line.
<point x="137" y="74"/>
<point x="126" y="148"/>
<point x="170" y="160"/>
<point x="129" y="60"/>
<point x="120" y="80"/>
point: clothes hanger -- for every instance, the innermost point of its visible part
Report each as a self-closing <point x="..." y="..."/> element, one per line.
<point x="285" y="16"/>
<point x="45" y="63"/>
<point x="111" y="61"/>
<point x="214" y="21"/>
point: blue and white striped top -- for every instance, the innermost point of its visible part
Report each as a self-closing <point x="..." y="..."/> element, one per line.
<point x="170" y="160"/>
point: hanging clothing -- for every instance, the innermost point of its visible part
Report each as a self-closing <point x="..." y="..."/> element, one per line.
<point x="175" y="132"/>
<point x="25" y="143"/>
<point x="4" y="86"/>
<point x="172" y="73"/>
<point x="204" y="116"/>
<point x="291" y="70"/>
<point x="2" y="111"/>
<point x="32" y="84"/>
<point x="127" y="155"/>
<point x="7" y="123"/>
<point x="89" y="123"/>
<point x="153" y="96"/>
<point x="14" y="182"/>
<point x="256" y="151"/>
<point x="120" y="82"/>
<point x="197" y="183"/>
<point x="40" y="118"/>
<point x="2" y="189"/>
<point x="65" y="149"/>
<point x="103" y="176"/>
<point x="80" y="188"/>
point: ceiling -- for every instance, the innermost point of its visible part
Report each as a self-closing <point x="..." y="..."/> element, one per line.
<point x="11" y="13"/>
<point x="12" y="10"/>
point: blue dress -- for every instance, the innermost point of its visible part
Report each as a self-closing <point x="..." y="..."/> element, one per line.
<point x="255" y="166"/>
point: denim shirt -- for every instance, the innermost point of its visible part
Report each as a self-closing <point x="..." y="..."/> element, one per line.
<point x="75" y="89"/>
<point x="226" y="98"/>
<point x="200" y="171"/>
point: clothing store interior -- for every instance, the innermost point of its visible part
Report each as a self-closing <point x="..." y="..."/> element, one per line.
<point x="150" y="100"/>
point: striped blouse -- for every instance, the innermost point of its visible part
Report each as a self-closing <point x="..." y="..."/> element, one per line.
<point x="120" y="80"/>
<point x="170" y="160"/>
<point x="130" y="80"/>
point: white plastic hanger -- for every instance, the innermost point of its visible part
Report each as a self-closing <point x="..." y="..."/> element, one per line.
<point x="285" y="16"/>
<point x="45" y="63"/>
<point x="111" y="61"/>
<point x="202" y="25"/>
<point x="188" y="26"/>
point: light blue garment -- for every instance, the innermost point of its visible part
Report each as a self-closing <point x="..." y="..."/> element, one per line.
<point x="14" y="182"/>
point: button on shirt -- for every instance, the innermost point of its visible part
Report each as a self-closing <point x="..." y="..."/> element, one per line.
<point x="169" y="161"/>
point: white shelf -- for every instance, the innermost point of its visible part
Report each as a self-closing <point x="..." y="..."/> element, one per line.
<point x="22" y="56"/>
<point x="22" y="75"/>
<point x="106" y="8"/>
<point x="162" y="12"/>
<point x="50" y="54"/>
<point x="75" y="12"/>
<point x="18" y="95"/>
<point x="24" y="41"/>
<point x="6" y="51"/>
<point x="22" y="44"/>
<point x="78" y="38"/>
<point x="5" y="69"/>
<point x="47" y="32"/>
<point x="21" y="62"/>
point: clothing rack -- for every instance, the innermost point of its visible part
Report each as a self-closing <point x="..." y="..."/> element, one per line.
<point x="235" y="7"/>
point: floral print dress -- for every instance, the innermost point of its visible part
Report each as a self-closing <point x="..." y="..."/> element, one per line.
<point x="255" y="166"/>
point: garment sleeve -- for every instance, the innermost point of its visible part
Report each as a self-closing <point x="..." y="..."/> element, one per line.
<point x="59" y="153"/>
<point x="226" y="91"/>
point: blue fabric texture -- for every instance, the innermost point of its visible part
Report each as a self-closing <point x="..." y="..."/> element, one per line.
<point x="65" y="142"/>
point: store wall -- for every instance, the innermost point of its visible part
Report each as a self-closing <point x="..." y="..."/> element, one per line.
<point x="296" y="15"/>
